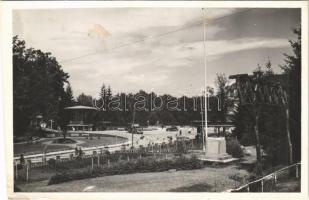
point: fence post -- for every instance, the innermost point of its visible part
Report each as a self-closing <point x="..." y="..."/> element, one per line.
<point x="275" y="177"/>
<point x="108" y="162"/>
<point x="16" y="170"/>
<point x="262" y="185"/>
<point x="27" y="172"/>
<point x="98" y="160"/>
<point x="297" y="172"/>
<point x="166" y="156"/>
<point x="248" y="188"/>
<point x="92" y="163"/>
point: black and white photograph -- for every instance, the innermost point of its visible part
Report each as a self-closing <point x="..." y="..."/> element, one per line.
<point x="158" y="99"/>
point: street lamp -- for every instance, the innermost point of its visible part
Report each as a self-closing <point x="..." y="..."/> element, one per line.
<point x="51" y="123"/>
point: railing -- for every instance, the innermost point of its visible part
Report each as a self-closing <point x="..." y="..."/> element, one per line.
<point x="157" y="148"/>
<point x="268" y="183"/>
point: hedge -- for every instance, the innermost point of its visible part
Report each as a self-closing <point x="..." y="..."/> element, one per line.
<point x="233" y="148"/>
<point x="128" y="167"/>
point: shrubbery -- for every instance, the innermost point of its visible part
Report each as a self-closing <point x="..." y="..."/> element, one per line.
<point x="51" y="162"/>
<point x="128" y="167"/>
<point x="233" y="148"/>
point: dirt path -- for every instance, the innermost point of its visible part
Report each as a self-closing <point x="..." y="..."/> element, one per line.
<point x="145" y="182"/>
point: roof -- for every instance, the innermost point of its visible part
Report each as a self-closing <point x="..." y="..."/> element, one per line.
<point x="80" y="108"/>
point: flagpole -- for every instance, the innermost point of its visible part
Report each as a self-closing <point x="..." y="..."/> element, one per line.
<point x="205" y="80"/>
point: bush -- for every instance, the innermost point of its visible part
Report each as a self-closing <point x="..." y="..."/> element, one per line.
<point x="52" y="162"/>
<point x="233" y="148"/>
<point x="128" y="167"/>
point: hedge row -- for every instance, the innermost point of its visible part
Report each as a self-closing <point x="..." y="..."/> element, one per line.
<point x="127" y="167"/>
<point x="86" y="161"/>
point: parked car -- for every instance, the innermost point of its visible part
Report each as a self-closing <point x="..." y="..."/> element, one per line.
<point x="172" y="128"/>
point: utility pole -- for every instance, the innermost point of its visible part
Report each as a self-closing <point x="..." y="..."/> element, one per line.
<point x="203" y="136"/>
<point x="133" y="129"/>
<point x="205" y="80"/>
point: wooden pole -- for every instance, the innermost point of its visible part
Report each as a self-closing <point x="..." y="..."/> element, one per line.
<point x="205" y="82"/>
<point x="92" y="163"/>
<point x="297" y="172"/>
<point x="16" y="170"/>
<point x="258" y="143"/>
<point x="27" y="172"/>
<point x="288" y="135"/>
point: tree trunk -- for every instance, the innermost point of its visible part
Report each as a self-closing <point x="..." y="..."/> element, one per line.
<point x="64" y="134"/>
<point x="288" y="136"/>
<point x="258" y="145"/>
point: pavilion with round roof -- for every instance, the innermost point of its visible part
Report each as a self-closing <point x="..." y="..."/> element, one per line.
<point x="80" y="118"/>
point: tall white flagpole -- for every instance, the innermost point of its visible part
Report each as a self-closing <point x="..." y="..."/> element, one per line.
<point x="205" y="80"/>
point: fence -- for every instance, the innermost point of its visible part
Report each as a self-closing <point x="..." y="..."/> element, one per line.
<point x="99" y="156"/>
<point x="268" y="183"/>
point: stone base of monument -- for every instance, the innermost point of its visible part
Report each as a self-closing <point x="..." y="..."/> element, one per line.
<point x="216" y="151"/>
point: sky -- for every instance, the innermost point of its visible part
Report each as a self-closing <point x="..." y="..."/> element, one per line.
<point x="157" y="49"/>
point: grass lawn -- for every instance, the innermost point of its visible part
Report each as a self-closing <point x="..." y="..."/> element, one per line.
<point x="38" y="146"/>
<point x="104" y="140"/>
<point x="202" y="180"/>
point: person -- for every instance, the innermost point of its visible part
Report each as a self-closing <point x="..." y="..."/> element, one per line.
<point x="76" y="151"/>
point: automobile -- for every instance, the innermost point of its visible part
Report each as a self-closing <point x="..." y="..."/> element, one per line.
<point x="169" y="138"/>
<point x="138" y="131"/>
<point x="172" y="128"/>
<point x="135" y="130"/>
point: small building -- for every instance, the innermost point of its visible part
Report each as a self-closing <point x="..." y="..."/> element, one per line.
<point x="80" y="118"/>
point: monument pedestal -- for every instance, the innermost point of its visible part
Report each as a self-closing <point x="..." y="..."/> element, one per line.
<point x="216" y="151"/>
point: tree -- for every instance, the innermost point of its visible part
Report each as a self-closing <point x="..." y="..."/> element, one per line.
<point x="67" y="100"/>
<point x="103" y="93"/>
<point x="109" y="92"/>
<point x="248" y="89"/>
<point x="85" y="100"/>
<point x="269" y="69"/>
<point x="109" y="95"/>
<point x="38" y="82"/>
<point x="222" y="92"/>
<point x="292" y="68"/>
<point x="210" y="91"/>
